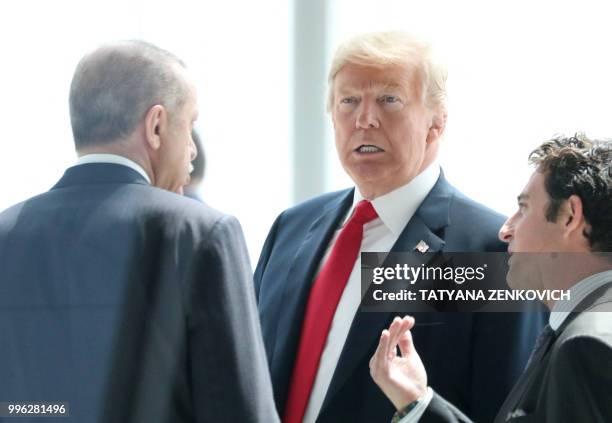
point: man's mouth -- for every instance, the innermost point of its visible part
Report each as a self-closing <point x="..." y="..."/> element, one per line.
<point x="368" y="149"/>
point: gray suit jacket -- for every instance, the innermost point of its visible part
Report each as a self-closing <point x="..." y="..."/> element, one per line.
<point x="571" y="383"/>
<point x="129" y="302"/>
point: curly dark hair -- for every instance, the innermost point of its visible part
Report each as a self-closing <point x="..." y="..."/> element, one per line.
<point x="579" y="166"/>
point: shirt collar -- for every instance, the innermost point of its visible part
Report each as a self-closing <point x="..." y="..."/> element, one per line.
<point x="397" y="207"/>
<point x="578" y="292"/>
<point x="115" y="159"/>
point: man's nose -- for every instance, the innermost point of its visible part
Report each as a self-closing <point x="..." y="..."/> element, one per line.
<point x="193" y="151"/>
<point x="367" y="117"/>
<point x="506" y="231"/>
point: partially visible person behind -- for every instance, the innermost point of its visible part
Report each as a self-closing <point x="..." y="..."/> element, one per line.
<point x="123" y="299"/>
<point x="192" y="189"/>
<point x="560" y="238"/>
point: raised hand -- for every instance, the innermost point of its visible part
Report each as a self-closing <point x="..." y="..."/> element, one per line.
<point x="402" y="378"/>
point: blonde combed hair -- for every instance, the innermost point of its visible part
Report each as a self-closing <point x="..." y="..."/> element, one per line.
<point x="393" y="48"/>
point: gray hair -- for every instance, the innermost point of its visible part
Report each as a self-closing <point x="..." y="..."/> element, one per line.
<point x="381" y="49"/>
<point x="114" y="86"/>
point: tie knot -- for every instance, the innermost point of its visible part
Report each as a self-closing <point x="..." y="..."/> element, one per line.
<point x="364" y="213"/>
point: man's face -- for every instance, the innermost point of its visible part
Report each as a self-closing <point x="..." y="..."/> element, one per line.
<point x="178" y="149"/>
<point x="528" y="231"/>
<point x="382" y="127"/>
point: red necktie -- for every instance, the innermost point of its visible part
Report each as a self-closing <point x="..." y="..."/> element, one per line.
<point x="321" y="307"/>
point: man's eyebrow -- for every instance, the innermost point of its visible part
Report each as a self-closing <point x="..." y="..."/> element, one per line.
<point x="343" y="90"/>
<point x="347" y="89"/>
<point x="522" y="197"/>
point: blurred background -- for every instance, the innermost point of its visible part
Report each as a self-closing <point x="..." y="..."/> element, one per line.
<point x="519" y="72"/>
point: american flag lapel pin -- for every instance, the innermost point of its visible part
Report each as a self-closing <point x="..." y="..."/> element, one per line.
<point x="422" y="247"/>
<point x="515" y="414"/>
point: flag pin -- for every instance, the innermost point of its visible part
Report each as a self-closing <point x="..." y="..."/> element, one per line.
<point x="422" y="247"/>
<point x="515" y="414"/>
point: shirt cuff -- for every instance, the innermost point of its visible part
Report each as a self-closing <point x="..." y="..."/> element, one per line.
<point x="412" y="413"/>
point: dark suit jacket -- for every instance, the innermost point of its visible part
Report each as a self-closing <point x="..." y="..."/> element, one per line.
<point x="129" y="302"/>
<point x="572" y="382"/>
<point x="472" y="358"/>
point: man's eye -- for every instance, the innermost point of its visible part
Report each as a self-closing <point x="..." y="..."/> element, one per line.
<point x="389" y="99"/>
<point x="348" y="100"/>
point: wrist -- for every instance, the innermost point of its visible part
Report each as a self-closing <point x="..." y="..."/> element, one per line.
<point x="414" y="410"/>
<point x="409" y="401"/>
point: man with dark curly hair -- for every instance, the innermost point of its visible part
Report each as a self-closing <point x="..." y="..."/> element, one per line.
<point x="560" y="238"/>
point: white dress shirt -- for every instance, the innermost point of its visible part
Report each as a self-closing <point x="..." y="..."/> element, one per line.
<point x="578" y="292"/>
<point x="115" y="159"/>
<point x="394" y="210"/>
<point x="558" y="314"/>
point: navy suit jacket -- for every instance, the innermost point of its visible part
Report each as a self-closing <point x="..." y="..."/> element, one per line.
<point x="472" y="358"/>
<point x="131" y="303"/>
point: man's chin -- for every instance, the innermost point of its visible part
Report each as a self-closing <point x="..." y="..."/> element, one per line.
<point x="513" y="277"/>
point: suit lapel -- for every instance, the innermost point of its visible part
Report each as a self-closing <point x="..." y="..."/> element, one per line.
<point x="517" y="394"/>
<point x="297" y="286"/>
<point x="429" y="220"/>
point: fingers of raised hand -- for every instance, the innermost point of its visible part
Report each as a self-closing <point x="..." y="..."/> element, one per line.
<point x="395" y="331"/>
<point x="405" y="338"/>
<point x="378" y="362"/>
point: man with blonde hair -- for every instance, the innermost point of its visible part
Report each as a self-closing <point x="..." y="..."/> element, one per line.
<point x="387" y="104"/>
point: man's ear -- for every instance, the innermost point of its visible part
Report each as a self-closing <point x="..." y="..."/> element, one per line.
<point x="573" y="216"/>
<point x="156" y="120"/>
<point x="438" y="124"/>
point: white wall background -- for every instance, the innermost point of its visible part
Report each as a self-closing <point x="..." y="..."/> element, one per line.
<point x="519" y="72"/>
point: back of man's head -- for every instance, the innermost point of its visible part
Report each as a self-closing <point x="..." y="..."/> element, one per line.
<point x="582" y="167"/>
<point x="115" y="85"/>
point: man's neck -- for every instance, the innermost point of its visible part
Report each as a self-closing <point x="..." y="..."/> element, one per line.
<point x="572" y="268"/>
<point x="373" y="191"/>
<point x="128" y="149"/>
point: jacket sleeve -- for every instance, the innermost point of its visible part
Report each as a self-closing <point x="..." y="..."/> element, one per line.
<point x="441" y="411"/>
<point x="266" y="251"/>
<point x="226" y="352"/>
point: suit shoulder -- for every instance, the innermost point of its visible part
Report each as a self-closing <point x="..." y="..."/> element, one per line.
<point x="315" y="204"/>
<point x="184" y="213"/>
<point x="581" y="352"/>
<point x="590" y="326"/>
<point x="473" y="225"/>
<point x="171" y="202"/>
<point x="9" y="216"/>
<point x="463" y="206"/>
